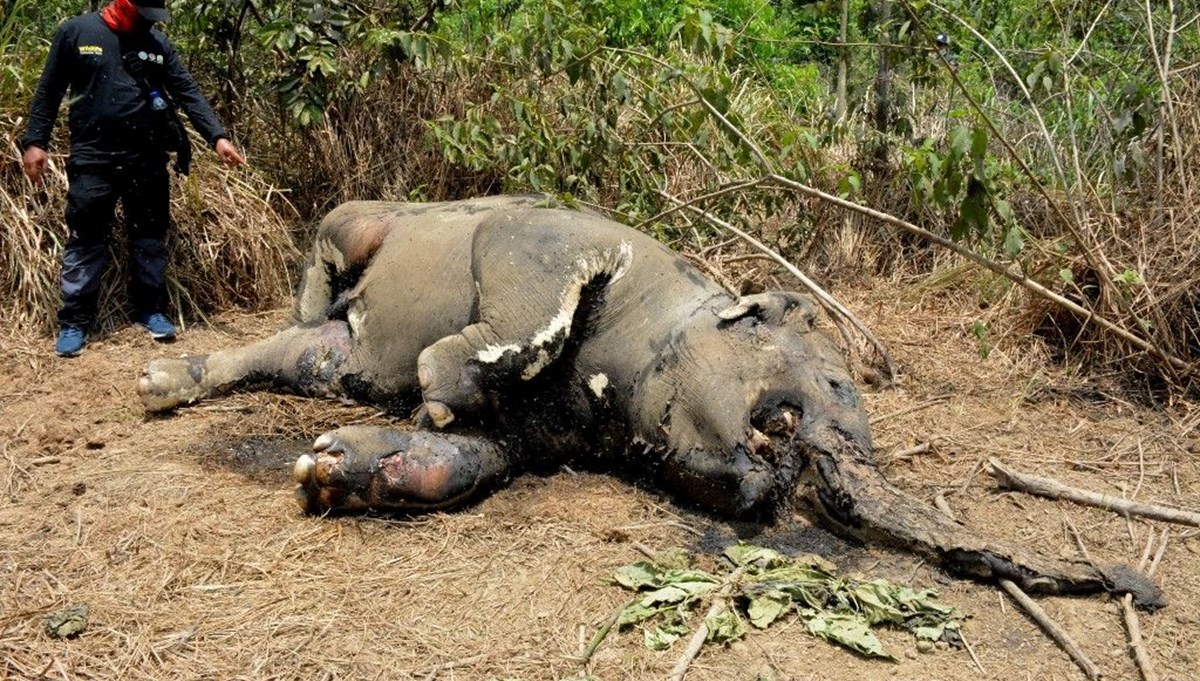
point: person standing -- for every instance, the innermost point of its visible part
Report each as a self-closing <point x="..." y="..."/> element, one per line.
<point x="124" y="77"/>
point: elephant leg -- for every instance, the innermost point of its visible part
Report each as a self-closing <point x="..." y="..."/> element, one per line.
<point x="452" y="378"/>
<point x="304" y="359"/>
<point x="359" y="468"/>
<point x="530" y="307"/>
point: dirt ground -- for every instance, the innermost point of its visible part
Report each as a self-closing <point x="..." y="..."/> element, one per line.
<point x="195" y="563"/>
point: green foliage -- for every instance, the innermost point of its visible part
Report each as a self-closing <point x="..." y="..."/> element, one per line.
<point x="979" y="329"/>
<point x="603" y="100"/>
<point x="841" y="610"/>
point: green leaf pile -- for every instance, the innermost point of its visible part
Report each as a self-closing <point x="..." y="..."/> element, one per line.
<point x="774" y="586"/>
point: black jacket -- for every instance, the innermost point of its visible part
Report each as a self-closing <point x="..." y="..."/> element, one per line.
<point x="110" y="117"/>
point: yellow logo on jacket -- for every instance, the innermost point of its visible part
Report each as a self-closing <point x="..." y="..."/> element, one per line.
<point x="93" y="50"/>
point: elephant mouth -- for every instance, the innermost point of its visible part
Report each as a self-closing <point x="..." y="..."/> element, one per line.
<point x="792" y="447"/>
<point x="774" y="441"/>
<point x="773" y="428"/>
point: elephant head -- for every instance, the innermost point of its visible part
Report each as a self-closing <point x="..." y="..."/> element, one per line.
<point x="751" y="390"/>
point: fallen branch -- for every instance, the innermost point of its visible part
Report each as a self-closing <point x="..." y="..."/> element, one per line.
<point x="701" y="635"/>
<point x="1052" y="489"/>
<point x="1135" y="640"/>
<point x="1051" y="627"/>
<point x="827" y="301"/>
<point x="1140" y="655"/>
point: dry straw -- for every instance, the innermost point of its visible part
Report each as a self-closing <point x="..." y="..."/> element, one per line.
<point x="231" y="244"/>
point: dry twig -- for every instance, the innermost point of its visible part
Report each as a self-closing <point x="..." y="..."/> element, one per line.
<point x="1052" y="489"/>
<point x="698" y="638"/>
<point x="1132" y="625"/>
<point x="1052" y="628"/>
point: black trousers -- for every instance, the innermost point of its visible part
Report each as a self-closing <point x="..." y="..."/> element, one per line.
<point x="144" y="191"/>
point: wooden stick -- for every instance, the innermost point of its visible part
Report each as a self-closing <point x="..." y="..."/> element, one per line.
<point x="698" y="638"/>
<point x="1078" y="539"/>
<point x="1162" y="548"/>
<point x="43" y="460"/>
<point x="1052" y="489"/>
<point x="940" y="502"/>
<point x="1048" y="625"/>
<point x="1140" y="655"/>
<point x="1144" y="665"/>
<point x="1145" y="559"/>
<point x="971" y="652"/>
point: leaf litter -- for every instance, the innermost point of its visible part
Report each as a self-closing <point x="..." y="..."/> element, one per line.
<point x="773" y="587"/>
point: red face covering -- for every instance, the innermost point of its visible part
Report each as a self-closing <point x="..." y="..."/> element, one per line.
<point x="122" y="16"/>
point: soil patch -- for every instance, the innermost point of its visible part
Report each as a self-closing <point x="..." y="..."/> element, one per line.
<point x="181" y="537"/>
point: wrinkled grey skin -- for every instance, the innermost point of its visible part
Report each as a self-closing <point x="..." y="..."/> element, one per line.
<point x="558" y="330"/>
<point x="529" y="335"/>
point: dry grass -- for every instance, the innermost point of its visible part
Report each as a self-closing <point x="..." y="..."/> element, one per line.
<point x="196" y="565"/>
<point x="231" y="244"/>
<point x="376" y="146"/>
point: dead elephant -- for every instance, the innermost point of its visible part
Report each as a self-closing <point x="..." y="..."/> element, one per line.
<point x="539" y="335"/>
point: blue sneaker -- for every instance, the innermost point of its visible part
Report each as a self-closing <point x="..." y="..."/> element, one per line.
<point x="71" y="341"/>
<point x="160" y="328"/>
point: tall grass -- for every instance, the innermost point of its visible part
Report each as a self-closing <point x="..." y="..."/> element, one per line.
<point x="1106" y="214"/>
<point x="231" y="244"/>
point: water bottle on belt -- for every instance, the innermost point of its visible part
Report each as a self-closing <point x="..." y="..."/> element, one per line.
<point x="157" y="102"/>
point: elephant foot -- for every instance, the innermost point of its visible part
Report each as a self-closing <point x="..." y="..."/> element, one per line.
<point x="433" y="414"/>
<point x="168" y="383"/>
<point x="360" y="468"/>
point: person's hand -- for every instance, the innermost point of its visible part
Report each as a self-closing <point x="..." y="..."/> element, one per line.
<point x="228" y="153"/>
<point x="34" y="162"/>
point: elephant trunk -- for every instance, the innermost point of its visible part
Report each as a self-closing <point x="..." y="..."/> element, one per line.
<point x="843" y="485"/>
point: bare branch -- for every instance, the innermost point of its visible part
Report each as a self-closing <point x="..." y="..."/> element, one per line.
<point x="1052" y="489"/>
<point x="701" y="634"/>
<point x="827" y="301"/>
<point x="1052" y="628"/>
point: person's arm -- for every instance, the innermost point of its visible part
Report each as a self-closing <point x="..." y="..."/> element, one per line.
<point x="187" y="95"/>
<point x="44" y="110"/>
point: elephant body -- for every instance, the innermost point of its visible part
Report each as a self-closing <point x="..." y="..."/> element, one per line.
<point x="528" y="335"/>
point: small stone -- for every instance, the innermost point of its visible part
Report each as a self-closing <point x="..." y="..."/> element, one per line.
<point x="941" y="645"/>
<point x="925" y="646"/>
<point x="910" y="654"/>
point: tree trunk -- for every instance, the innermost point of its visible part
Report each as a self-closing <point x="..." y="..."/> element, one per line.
<point x="843" y="62"/>
<point x="883" y="81"/>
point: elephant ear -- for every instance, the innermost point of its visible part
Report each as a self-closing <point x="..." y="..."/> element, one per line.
<point x="772" y="307"/>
